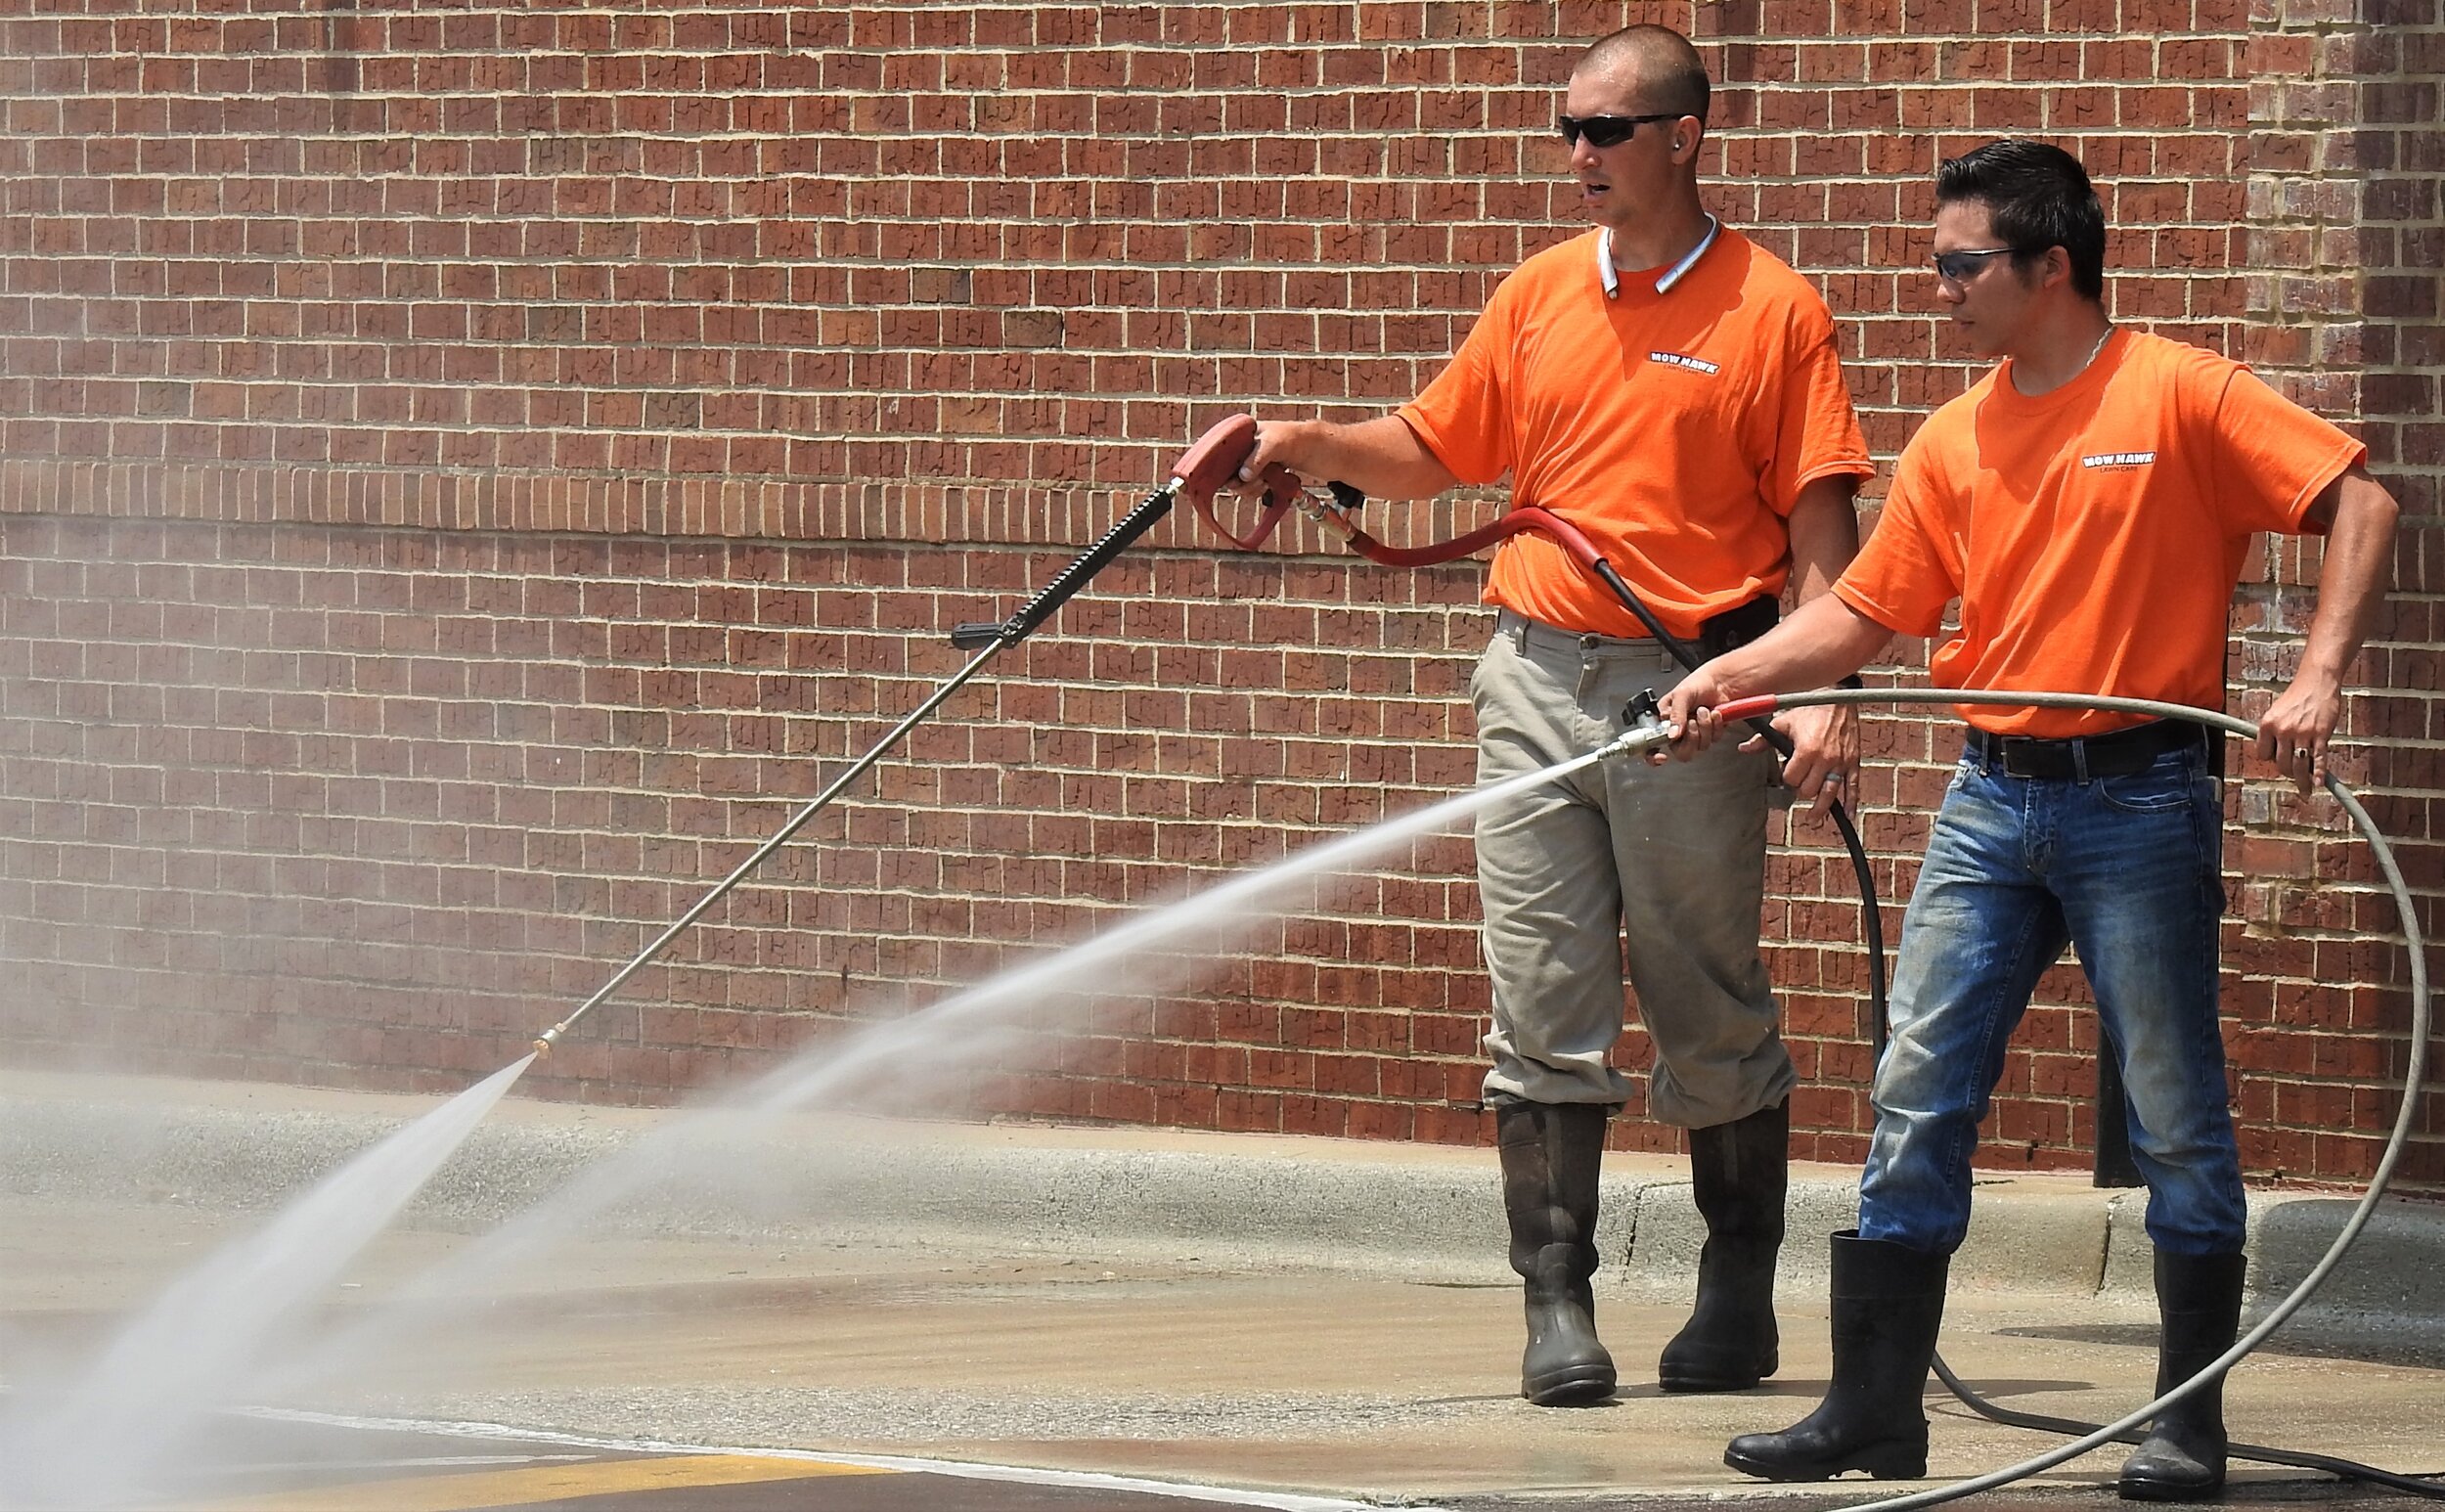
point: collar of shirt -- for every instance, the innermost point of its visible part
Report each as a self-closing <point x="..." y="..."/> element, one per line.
<point x="1610" y="276"/>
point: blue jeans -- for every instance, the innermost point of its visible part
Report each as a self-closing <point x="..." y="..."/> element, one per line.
<point x="2128" y="870"/>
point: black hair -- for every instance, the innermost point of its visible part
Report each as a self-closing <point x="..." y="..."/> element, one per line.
<point x="1671" y="77"/>
<point x="2038" y="196"/>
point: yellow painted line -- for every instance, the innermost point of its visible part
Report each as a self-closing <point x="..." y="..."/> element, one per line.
<point x="541" y="1484"/>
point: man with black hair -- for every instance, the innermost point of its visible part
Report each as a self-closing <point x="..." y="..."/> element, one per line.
<point x="2089" y="503"/>
<point x="1672" y="389"/>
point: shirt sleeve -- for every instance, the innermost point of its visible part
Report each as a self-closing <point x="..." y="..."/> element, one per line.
<point x="1909" y="569"/>
<point x="2272" y="457"/>
<point x="1816" y="431"/>
<point x="1463" y="418"/>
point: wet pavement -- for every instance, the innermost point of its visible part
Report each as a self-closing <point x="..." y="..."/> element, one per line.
<point x="805" y="1360"/>
<point x="292" y="1464"/>
<point x="305" y="1464"/>
<point x="1227" y="1384"/>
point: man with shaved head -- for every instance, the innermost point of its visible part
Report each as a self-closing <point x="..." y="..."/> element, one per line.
<point x="1672" y="389"/>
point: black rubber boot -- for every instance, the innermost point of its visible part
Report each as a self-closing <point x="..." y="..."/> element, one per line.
<point x="1738" y="1173"/>
<point x="2199" y="1299"/>
<point x="1550" y="1158"/>
<point x="1889" y="1300"/>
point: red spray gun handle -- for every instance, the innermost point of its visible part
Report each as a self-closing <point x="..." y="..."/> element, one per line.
<point x="1212" y="461"/>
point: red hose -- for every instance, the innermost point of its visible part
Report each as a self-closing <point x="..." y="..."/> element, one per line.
<point x="1756" y="706"/>
<point x="1553" y="527"/>
<point x="1212" y="461"/>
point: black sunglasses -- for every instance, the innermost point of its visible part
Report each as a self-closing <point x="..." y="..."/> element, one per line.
<point x="1962" y="267"/>
<point x="1606" y="131"/>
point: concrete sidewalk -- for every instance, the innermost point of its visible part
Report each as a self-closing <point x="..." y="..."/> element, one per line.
<point x="1299" y="1314"/>
<point x="1418" y="1212"/>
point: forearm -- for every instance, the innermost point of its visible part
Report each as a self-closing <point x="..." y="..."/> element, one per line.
<point x="1823" y="642"/>
<point x="1381" y="458"/>
<point x="2352" y="582"/>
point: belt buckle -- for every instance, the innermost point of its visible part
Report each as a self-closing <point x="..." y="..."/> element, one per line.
<point x="2036" y="759"/>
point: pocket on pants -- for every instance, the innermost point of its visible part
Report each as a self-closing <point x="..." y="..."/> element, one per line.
<point x="2172" y="784"/>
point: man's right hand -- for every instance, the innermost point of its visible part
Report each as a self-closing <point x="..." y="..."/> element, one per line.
<point x="1381" y="458"/>
<point x="1279" y="443"/>
<point x="1688" y="713"/>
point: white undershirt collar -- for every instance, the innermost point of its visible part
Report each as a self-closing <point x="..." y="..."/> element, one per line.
<point x="1612" y="276"/>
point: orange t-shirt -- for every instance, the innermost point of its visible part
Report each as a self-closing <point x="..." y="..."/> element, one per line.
<point x="1675" y="430"/>
<point x="2093" y="534"/>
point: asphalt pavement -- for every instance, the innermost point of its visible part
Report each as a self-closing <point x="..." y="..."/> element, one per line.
<point x="1011" y="1315"/>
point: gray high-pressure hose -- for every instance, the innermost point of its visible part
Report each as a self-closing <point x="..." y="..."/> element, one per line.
<point x="2123" y="1428"/>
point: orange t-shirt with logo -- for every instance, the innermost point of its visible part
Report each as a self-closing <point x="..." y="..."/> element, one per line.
<point x="1675" y="430"/>
<point x="2094" y="534"/>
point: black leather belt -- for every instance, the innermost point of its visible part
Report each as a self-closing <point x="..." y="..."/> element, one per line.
<point x="2116" y="754"/>
<point x="1737" y="627"/>
<point x="1733" y="626"/>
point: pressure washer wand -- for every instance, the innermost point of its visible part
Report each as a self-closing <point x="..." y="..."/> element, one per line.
<point x="755" y="858"/>
<point x="1205" y="466"/>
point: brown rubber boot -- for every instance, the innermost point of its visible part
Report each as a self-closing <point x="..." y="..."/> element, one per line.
<point x="2198" y="1300"/>
<point x="1551" y="1155"/>
<point x="1888" y="1302"/>
<point x="1738" y="1173"/>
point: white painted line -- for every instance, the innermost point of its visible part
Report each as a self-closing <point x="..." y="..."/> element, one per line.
<point x="1275" y="1502"/>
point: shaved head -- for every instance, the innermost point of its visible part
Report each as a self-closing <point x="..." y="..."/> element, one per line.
<point x="1670" y="73"/>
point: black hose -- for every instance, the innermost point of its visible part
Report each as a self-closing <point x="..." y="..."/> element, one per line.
<point x="1871" y="913"/>
<point x="2344" y="1469"/>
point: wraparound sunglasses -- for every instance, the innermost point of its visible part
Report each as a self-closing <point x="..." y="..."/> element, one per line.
<point x="1962" y="267"/>
<point x="1606" y="131"/>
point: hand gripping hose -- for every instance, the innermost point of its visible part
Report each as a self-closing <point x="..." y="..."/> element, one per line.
<point x="1236" y="437"/>
<point x="2127" y="1429"/>
<point x="1203" y="467"/>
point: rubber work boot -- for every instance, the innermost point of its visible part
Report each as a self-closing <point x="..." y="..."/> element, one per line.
<point x="1738" y="1172"/>
<point x="1550" y="1157"/>
<point x="1889" y="1300"/>
<point x="2199" y="1299"/>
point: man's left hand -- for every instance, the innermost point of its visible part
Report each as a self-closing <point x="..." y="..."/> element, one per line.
<point x="1824" y="764"/>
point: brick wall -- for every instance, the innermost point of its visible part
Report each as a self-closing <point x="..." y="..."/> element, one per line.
<point x="468" y="472"/>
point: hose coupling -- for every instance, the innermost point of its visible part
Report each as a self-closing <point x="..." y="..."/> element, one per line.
<point x="1333" y="514"/>
<point x="1644" y="730"/>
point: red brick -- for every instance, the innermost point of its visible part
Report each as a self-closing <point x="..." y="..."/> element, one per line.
<point x="969" y="289"/>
